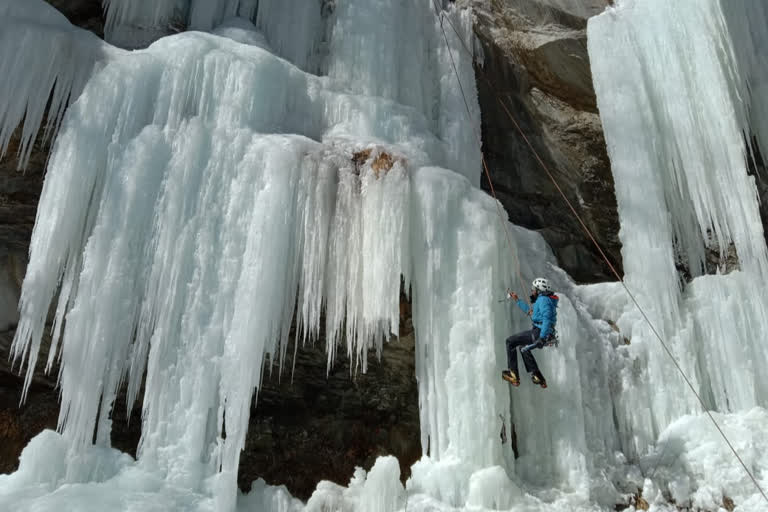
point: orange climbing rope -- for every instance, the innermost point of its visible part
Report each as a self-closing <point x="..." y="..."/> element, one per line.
<point x="589" y="234"/>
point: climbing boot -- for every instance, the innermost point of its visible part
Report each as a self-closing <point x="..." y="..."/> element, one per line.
<point x="539" y="379"/>
<point x="511" y="377"/>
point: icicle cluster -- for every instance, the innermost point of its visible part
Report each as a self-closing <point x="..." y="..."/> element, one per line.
<point x="202" y="191"/>
<point x="682" y="95"/>
<point x="206" y="191"/>
<point x="45" y="58"/>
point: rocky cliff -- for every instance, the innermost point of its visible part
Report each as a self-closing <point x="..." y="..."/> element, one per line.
<point x="536" y="64"/>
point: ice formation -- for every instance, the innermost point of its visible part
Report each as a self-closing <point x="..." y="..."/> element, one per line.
<point x="64" y="57"/>
<point x="681" y="92"/>
<point x="306" y="156"/>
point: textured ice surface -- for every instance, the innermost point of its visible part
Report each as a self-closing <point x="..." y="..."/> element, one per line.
<point x="678" y="87"/>
<point x="46" y="63"/>
<point x="203" y="191"/>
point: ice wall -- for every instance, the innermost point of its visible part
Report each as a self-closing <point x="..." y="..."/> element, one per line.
<point x="201" y="191"/>
<point x="396" y="51"/>
<point x="679" y="88"/>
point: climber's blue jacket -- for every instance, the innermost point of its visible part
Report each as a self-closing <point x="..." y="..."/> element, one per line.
<point x="544" y="313"/>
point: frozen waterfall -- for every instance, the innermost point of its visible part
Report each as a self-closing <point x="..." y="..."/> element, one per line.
<point x="296" y="161"/>
<point x="681" y="90"/>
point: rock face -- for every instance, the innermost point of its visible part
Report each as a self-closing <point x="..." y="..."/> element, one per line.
<point x="579" y="8"/>
<point x="536" y="64"/>
<point x="307" y="427"/>
<point x="85" y="14"/>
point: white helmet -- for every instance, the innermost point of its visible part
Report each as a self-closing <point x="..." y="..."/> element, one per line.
<point x="541" y="284"/>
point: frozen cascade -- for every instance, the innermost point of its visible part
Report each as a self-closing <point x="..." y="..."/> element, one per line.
<point x="678" y="87"/>
<point x="683" y="146"/>
<point x="351" y="42"/>
<point x="202" y="191"/>
<point x="163" y="213"/>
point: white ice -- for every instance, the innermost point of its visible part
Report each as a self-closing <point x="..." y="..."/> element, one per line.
<point x="45" y="65"/>
<point x="214" y="170"/>
<point x="677" y="93"/>
<point x="202" y="193"/>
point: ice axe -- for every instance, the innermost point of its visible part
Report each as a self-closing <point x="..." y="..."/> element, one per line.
<point x="508" y="297"/>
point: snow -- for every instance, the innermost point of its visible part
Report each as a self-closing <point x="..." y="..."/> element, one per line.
<point x="378" y="490"/>
<point x="691" y="451"/>
<point x="206" y="190"/>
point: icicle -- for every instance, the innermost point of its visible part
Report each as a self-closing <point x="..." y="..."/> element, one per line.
<point x="295" y="29"/>
<point x="370" y="58"/>
<point x="677" y="96"/>
<point x="183" y="237"/>
<point x="51" y="59"/>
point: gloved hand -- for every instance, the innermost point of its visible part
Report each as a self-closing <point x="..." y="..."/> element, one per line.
<point x="512" y="295"/>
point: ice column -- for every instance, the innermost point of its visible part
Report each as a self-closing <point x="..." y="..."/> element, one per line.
<point x="677" y="96"/>
<point x="202" y="191"/>
<point x="51" y="59"/>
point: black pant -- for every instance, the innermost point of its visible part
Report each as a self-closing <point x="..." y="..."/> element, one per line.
<point x="522" y="340"/>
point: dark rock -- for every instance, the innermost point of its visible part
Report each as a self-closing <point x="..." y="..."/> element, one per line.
<point x="87" y="14"/>
<point x="19" y="194"/>
<point x="560" y="11"/>
<point x="20" y="423"/>
<point x="536" y="65"/>
<point x="312" y="426"/>
<point x="759" y="170"/>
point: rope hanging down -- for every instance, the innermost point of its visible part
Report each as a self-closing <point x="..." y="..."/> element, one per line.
<point x="499" y="210"/>
<point x="589" y="234"/>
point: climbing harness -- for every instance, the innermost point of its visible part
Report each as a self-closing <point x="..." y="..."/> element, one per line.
<point x="587" y="231"/>
<point x="550" y="341"/>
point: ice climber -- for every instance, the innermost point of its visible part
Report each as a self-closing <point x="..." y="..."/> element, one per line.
<point x="544" y="317"/>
